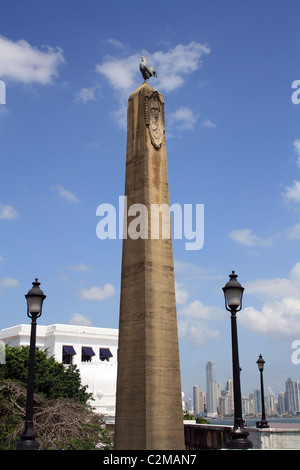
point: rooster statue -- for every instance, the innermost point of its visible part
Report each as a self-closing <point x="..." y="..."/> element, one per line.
<point x="146" y="71"/>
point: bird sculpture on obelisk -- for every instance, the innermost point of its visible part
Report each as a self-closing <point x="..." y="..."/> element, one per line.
<point x="148" y="400"/>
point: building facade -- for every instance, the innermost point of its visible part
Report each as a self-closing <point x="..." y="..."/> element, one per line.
<point x="292" y="396"/>
<point x="93" y="350"/>
<point x="211" y="390"/>
<point x="199" y="400"/>
<point x="257" y="401"/>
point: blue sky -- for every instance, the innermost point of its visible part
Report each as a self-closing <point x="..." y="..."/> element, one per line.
<point x="225" y="69"/>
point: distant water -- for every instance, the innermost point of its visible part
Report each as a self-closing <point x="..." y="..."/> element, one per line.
<point x="252" y="422"/>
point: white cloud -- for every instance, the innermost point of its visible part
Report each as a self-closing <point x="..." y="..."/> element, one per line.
<point x="194" y="317"/>
<point x="246" y="237"/>
<point x="79" y="319"/>
<point x="208" y="123"/>
<point x="279" y="316"/>
<point x="296" y="144"/>
<point x="183" y="118"/>
<point x="292" y="193"/>
<point x="80" y="267"/>
<point x="193" y="322"/>
<point x="96" y="293"/>
<point x="9" y="282"/>
<point x="65" y="193"/>
<point x="122" y="76"/>
<point x="196" y="333"/>
<point x="279" y="319"/>
<point x="7" y="212"/>
<point x="116" y="43"/>
<point x="197" y="309"/>
<point x="271" y="288"/>
<point x="21" y="62"/>
<point x="64" y="277"/>
<point x="120" y="115"/>
<point x="86" y="94"/>
<point x="276" y="288"/>
<point x="120" y="73"/>
<point x="181" y="294"/>
<point x="172" y="67"/>
<point x="294" y="232"/>
<point x="193" y="272"/>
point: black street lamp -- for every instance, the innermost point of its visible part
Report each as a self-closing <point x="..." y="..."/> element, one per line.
<point x="35" y="298"/>
<point x="263" y="422"/>
<point x="233" y="293"/>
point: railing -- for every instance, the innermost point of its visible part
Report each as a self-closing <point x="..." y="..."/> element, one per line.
<point x="206" y="436"/>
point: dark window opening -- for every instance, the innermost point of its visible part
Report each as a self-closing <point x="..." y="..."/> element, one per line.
<point x="68" y="353"/>
<point x="105" y="354"/>
<point x="86" y="354"/>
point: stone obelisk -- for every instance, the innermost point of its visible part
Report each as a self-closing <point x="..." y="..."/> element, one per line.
<point x="148" y="400"/>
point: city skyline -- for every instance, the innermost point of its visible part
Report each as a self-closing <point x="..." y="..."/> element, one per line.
<point x="228" y="72"/>
<point x="290" y="394"/>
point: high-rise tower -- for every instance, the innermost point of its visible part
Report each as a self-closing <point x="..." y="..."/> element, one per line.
<point x="211" y="389"/>
<point x="148" y="401"/>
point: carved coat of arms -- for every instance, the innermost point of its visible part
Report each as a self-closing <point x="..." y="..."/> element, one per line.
<point x="154" y="118"/>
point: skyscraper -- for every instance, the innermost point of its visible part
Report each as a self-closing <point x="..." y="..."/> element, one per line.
<point x="229" y="390"/>
<point x="290" y="396"/>
<point x="297" y="395"/>
<point x="198" y="400"/>
<point x="270" y="403"/>
<point x="281" y="403"/>
<point x="211" y="389"/>
<point x="257" y="400"/>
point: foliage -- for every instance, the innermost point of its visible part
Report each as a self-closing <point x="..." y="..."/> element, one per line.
<point x="61" y="424"/>
<point x="187" y="415"/>
<point x="52" y="379"/>
<point x="62" y="417"/>
<point x="199" y="420"/>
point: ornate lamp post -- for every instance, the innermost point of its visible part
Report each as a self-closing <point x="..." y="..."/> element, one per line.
<point x="233" y="293"/>
<point x="263" y="422"/>
<point x="35" y="298"/>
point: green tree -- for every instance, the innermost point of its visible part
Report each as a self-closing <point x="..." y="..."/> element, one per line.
<point x="199" y="420"/>
<point x="187" y="415"/>
<point x="52" y="379"/>
<point x="62" y="417"/>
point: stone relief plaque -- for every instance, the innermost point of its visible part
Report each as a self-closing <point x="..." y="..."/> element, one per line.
<point x="154" y="118"/>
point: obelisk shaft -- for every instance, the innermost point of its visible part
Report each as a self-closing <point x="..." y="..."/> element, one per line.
<point x="148" y="401"/>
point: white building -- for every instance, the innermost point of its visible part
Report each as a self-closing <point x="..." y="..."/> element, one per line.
<point x="93" y="351"/>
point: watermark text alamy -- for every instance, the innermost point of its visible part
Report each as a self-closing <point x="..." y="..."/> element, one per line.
<point x="2" y="92"/>
<point x="139" y="221"/>
<point x="296" y="94"/>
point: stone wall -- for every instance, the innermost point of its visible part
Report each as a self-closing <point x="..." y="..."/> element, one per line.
<point x="275" y="438"/>
<point x="206" y="436"/>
